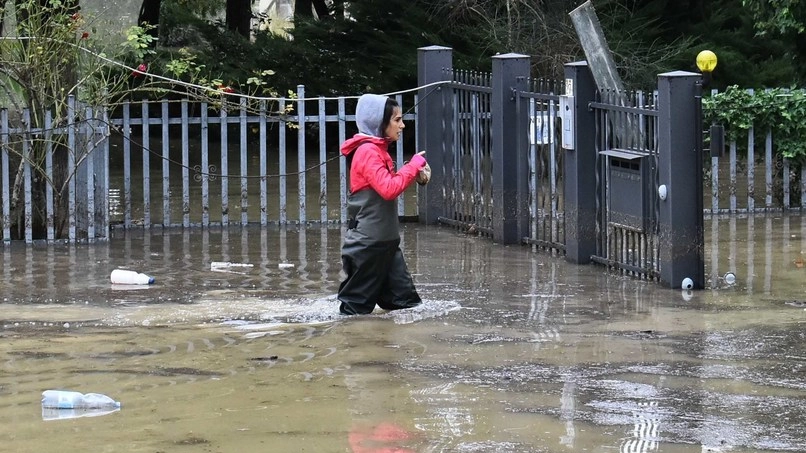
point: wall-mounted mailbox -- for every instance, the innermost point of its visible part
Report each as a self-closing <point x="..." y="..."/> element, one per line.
<point x="628" y="173"/>
<point x="567" y="118"/>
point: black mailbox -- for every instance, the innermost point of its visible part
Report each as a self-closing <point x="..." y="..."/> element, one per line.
<point x="628" y="177"/>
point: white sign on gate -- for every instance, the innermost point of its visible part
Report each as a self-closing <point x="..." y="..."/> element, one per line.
<point x="539" y="128"/>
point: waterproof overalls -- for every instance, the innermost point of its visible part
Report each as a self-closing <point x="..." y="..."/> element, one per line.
<point x="371" y="256"/>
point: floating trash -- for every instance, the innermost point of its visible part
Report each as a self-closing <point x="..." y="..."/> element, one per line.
<point x="126" y="277"/>
<point x="687" y="283"/>
<point x="227" y="265"/>
<point x="730" y="278"/>
<point x="49" y="413"/>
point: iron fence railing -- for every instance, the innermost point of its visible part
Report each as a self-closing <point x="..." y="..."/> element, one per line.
<point x="546" y="211"/>
<point x="468" y="166"/>
<point x="177" y="163"/>
<point x="275" y="180"/>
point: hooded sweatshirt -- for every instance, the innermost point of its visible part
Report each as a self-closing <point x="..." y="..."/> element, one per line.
<point x="374" y="183"/>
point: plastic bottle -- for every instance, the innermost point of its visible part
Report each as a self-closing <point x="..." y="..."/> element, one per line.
<point x="49" y="413"/>
<point x="65" y="399"/>
<point x="226" y="264"/>
<point x="125" y="277"/>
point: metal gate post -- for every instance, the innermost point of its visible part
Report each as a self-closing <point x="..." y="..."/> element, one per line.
<point x="680" y="171"/>
<point x="433" y="65"/>
<point x="509" y="155"/>
<point x="102" y="177"/>
<point x="580" y="165"/>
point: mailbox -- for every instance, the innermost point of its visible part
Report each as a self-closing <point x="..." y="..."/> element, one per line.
<point x="628" y="177"/>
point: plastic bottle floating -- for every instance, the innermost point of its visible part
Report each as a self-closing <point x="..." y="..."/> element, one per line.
<point x="227" y="264"/>
<point x="63" y="405"/>
<point x="64" y="414"/>
<point x="126" y="277"/>
<point x="66" y="399"/>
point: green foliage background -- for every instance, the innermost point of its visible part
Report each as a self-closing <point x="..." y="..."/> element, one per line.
<point x="375" y="48"/>
<point x="779" y="110"/>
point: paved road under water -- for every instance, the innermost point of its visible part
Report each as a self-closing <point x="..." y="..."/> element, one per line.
<point x="512" y="350"/>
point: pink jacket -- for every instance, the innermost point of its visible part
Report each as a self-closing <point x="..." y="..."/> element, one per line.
<point x="372" y="167"/>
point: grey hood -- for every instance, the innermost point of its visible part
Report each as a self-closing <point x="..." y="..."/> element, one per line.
<point x="369" y="114"/>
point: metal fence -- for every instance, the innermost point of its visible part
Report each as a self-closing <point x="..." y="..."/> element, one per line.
<point x="627" y="207"/>
<point x="284" y="168"/>
<point x="751" y="177"/>
<point x="469" y="182"/>
<point x="156" y="164"/>
<point x="468" y="167"/>
<point x="546" y="208"/>
<point x="53" y="175"/>
<point x="242" y="161"/>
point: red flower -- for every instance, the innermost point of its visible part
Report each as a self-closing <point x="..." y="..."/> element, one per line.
<point x="85" y="35"/>
<point x="142" y="69"/>
<point x="226" y="89"/>
<point x="75" y="21"/>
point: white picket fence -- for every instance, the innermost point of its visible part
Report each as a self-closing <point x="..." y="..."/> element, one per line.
<point x="137" y="170"/>
<point x="735" y="186"/>
<point x="195" y="188"/>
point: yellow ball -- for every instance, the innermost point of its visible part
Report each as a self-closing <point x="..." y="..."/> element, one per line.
<point x="706" y="61"/>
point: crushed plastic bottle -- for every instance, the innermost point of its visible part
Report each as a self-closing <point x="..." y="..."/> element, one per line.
<point x="126" y="277"/>
<point x="66" y="399"/>
<point x="49" y="413"/>
<point x="227" y="264"/>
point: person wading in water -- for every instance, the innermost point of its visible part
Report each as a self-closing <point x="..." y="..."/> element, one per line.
<point x="371" y="255"/>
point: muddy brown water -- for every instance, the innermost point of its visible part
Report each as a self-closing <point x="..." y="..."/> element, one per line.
<point x="512" y="350"/>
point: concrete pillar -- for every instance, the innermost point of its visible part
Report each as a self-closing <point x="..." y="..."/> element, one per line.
<point x="432" y="134"/>
<point x="580" y="165"/>
<point x="680" y="164"/>
<point x="509" y="150"/>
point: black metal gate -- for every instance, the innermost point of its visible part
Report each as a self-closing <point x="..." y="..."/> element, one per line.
<point x="627" y="203"/>
<point x="540" y="102"/>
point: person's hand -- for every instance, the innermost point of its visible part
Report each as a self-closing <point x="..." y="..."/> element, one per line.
<point x="418" y="160"/>
<point x="424" y="175"/>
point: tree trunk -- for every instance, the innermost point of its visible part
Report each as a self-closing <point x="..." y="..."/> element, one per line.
<point x="239" y="16"/>
<point x="338" y="8"/>
<point x="321" y="9"/>
<point x="149" y="17"/>
<point x="303" y="9"/>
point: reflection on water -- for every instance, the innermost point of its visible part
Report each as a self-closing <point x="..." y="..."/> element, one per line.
<point x="765" y="254"/>
<point x="49" y="413"/>
<point x="511" y="351"/>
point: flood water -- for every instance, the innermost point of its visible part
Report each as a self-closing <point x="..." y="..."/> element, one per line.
<point x="511" y="351"/>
